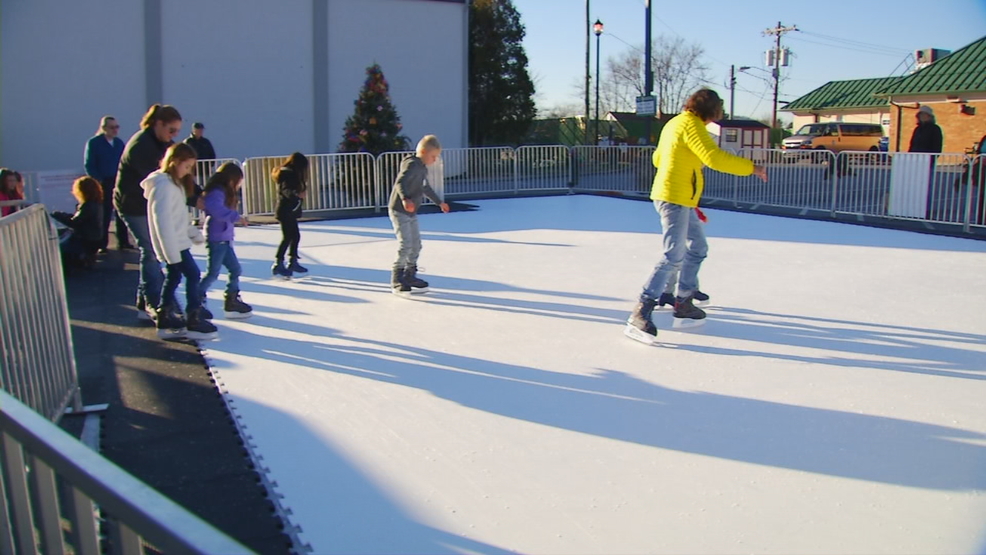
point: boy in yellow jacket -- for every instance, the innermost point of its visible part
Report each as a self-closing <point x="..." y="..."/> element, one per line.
<point x="685" y="147"/>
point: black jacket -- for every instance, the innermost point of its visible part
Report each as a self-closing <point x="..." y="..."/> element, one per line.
<point x="87" y="221"/>
<point x="142" y="156"/>
<point x="289" y="185"/>
<point x="927" y="137"/>
<point x="203" y="147"/>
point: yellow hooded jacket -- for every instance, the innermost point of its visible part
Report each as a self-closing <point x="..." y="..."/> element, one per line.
<point x="684" y="147"/>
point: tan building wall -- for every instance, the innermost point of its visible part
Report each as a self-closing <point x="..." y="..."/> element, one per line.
<point x="879" y="116"/>
<point x="960" y="130"/>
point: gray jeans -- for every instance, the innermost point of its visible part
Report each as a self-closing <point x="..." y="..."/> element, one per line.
<point x="408" y="238"/>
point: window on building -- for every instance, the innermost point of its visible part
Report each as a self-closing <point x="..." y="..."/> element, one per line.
<point x="731" y="135"/>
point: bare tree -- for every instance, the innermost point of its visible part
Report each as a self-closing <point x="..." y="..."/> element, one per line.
<point x="678" y="70"/>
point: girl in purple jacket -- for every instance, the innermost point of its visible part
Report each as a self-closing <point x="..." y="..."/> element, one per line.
<point x="221" y="215"/>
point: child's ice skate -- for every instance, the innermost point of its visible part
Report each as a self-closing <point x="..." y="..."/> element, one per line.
<point x="170" y="323"/>
<point x="297" y="270"/>
<point x="418" y="285"/>
<point x="700" y="298"/>
<point x="686" y="314"/>
<point x="639" y="326"/>
<point x="666" y="300"/>
<point x="278" y="271"/>
<point x="399" y="284"/>
<point x="197" y="327"/>
<point x="236" y="309"/>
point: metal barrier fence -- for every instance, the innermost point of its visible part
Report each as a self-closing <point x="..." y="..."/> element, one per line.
<point x="624" y="169"/>
<point x="939" y="188"/>
<point x="47" y="475"/>
<point x="38" y="364"/>
<point x="862" y="183"/>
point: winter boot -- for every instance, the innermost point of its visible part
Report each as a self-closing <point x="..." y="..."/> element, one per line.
<point x="170" y="323"/>
<point x="199" y="328"/>
<point x="700" y="298"/>
<point x="278" y="271"/>
<point x="297" y="268"/>
<point x="639" y="326"/>
<point x="686" y="314"/>
<point x="398" y="282"/>
<point x="417" y="284"/>
<point x="667" y="299"/>
<point x="236" y="309"/>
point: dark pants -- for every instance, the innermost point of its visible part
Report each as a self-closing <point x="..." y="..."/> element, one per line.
<point x="188" y="269"/>
<point x="291" y="236"/>
<point x="122" y="237"/>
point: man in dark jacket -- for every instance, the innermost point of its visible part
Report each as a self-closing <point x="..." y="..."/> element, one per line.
<point x="927" y="135"/>
<point x="203" y="147"/>
<point x="102" y="157"/>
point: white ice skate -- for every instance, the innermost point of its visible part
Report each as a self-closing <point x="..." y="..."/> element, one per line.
<point x="639" y="335"/>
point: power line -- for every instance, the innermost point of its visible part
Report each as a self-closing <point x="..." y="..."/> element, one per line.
<point x="861" y="50"/>
<point x="856" y="42"/>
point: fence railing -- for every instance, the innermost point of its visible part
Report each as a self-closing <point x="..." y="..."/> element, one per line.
<point x="37" y="364"/>
<point x="938" y="188"/>
<point x="49" y="477"/>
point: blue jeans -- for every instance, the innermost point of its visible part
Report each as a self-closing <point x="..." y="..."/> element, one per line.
<point x="190" y="270"/>
<point x="408" y="239"/>
<point x="151" y="277"/>
<point x="685" y="248"/>
<point x="221" y="254"/>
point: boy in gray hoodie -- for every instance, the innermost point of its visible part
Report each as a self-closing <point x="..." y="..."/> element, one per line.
<point x="408" y="193"/>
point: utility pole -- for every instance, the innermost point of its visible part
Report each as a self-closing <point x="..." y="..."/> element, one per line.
<point x="732" y="90"/>
<point x="648" y="72"/>
<point x="778" y="32"/>
<point x="585" y="138"/>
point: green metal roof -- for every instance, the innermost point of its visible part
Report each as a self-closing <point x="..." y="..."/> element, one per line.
<point x="843" y="95"/>
<point x="961" y="71"/>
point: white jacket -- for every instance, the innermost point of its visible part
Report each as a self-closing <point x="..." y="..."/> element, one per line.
<point x="167" y="216"/>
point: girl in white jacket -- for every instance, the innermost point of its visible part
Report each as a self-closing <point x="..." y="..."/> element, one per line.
<point x="167" y="191"/>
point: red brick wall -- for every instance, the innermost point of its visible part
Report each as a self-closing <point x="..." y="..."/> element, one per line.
<point x="961" y="131"/>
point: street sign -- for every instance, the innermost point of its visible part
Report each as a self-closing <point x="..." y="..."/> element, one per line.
<point x="646" y="105"/>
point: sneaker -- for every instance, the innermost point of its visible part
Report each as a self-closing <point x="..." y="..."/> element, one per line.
<point x="236" y="309"/>
<point x="199" y="328"/>
<point x="297" y="268"/>
<point x="278" y="271"/>
<point x="170" y="323"/>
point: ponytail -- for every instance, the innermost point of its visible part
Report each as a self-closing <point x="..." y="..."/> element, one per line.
<point x="164" y="113"/>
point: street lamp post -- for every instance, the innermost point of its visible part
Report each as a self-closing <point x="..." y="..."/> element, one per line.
<point x="597" y="28"/>
<point x="585" y="136"/>
<point x="732" y="88"/>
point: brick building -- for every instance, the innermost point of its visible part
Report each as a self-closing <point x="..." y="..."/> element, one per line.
<point x="954" y="87"/>
<point x="850" y="101"/>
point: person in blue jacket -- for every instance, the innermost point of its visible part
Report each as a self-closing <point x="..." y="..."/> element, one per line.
<point x="102" y="158"/>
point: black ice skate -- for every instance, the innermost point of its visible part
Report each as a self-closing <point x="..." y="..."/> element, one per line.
<point x="296" y="268"/>
<point x="204" y="312"/>
<point x="170" y="323"/>
<point x="236" y="309"/>
<point x="417" y="284"/>
<point x="639" y="326"/>
<point x="667" y="299"/>
<point x="399" y="284"/>
<point x="144" y="311"/>
<point x="700" y="299"/>
<point x="199" y="328"/>
<point x="278" y="271"/>
<point x="686" y="314"/>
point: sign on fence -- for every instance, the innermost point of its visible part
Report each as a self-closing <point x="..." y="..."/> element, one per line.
<point x="910" y="180"/>
<point x="646" y="105"/>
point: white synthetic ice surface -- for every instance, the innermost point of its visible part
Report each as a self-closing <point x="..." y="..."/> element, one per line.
<point x="834" y="403"/>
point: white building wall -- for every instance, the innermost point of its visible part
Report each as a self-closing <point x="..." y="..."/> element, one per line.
<point x="420" y="47"/>
<point x="60" y="75"/>
<point x="243" y="67"/>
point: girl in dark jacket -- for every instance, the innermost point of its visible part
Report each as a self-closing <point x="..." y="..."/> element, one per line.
<point x="86" y="224"/>
<point x="292" y="187"/>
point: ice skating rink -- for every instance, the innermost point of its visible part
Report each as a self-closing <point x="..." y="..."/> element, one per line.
<point x="835" y="402"/>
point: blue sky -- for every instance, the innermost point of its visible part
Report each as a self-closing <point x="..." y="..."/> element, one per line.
<point x="731" y="33"/>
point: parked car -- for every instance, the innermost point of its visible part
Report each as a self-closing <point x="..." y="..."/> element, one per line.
<point x="836" y="137"/>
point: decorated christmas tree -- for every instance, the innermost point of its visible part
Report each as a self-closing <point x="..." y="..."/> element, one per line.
<point x="374" y="126"/>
